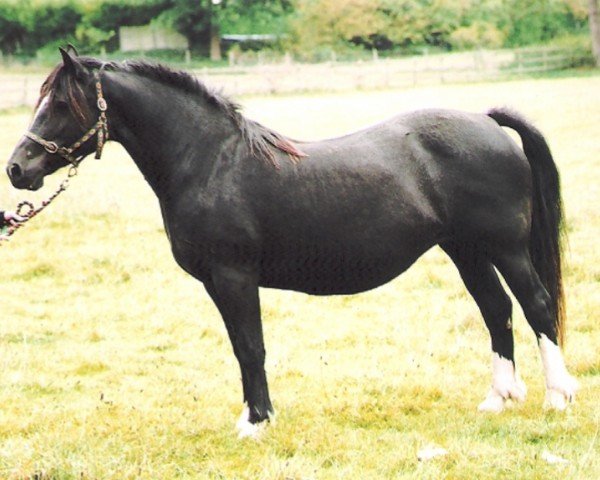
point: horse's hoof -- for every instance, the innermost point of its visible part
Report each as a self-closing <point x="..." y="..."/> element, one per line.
<point x="560" y="385"/>
<point x="516" y="390"/>
<point x="493" y="403"/>
<point x="506" y="386"/>
<point x="500" y="394"/>
<point x="558" y="398"/>
<point x="247" y="429"/>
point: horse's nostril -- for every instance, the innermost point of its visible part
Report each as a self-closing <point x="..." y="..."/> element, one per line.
<point x="14" y="171"/>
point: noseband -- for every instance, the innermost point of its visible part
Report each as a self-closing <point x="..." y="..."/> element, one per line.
<point x="100" y="129"/>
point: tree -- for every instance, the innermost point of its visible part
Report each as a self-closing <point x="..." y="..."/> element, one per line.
<point x="419" y="22"/>
<point x="595" y="29"/>
<point x="330" y="24"/>
<point x="245" y="16"/>
<point x="102" y="20"/>
<point x="203" y="21"/>
<point x="14" y="24"/>
<point x="52" y="22"/>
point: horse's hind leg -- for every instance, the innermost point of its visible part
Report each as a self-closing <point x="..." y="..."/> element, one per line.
<point x="235" y="293"/>
<point x="483" y="284"/>
<point x="520" y="275"/>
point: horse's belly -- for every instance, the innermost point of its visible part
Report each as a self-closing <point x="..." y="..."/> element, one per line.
<point x="320" y="271"/>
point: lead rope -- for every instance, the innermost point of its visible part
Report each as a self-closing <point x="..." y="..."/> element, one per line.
<point x="27" y="210"/>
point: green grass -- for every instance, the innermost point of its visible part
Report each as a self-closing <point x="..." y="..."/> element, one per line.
<point x="116" y="365"/>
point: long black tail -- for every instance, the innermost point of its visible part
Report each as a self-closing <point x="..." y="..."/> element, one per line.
<point x="547" y="215"/>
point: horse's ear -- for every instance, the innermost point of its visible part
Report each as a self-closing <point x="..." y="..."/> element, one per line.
<point x="71" y="63"/>
<point x="72" y="50"/>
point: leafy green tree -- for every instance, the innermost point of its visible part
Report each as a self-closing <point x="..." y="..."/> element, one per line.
<point x="594" y="12"/>
<point x="203" y="21"/>
<point x="309" y="25"/>
<point x="479" y="34"/>
<point x="335" y="23"/>
<point x="189" y="17"/>
<point x="252" y="16"/>
<point x="442" y="23"/>
<point x="14" y="24"/>
<point x="52" y="21"/>
<point x="538" y="21"/>
<point x="420" y="22"/>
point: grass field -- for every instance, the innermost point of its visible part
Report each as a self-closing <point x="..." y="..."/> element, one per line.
<point x="116" y="365"/>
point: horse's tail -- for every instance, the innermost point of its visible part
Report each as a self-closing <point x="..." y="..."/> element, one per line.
<point x="547" y="212"/>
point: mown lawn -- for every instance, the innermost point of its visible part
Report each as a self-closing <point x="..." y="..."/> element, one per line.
<point x="115" y="364"/>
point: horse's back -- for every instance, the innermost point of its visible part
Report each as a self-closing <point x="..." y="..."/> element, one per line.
<point x="432" y="165"/>
<point x="360" y="209"/>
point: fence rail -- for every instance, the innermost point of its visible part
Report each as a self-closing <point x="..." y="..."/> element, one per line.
<point x="289" y="77"/>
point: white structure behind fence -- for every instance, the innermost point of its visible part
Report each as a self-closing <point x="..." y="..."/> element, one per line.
<point x="149" y="37"/>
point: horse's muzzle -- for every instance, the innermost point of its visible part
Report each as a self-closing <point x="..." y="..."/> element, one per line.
<point x="14" y="172"/>
<point x="20" y="180"/>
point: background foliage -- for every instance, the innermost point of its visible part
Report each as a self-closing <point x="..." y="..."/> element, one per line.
<point x="307" y="28"/>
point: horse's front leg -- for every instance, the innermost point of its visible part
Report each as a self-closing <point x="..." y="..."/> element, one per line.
<point x="235" y="293"/>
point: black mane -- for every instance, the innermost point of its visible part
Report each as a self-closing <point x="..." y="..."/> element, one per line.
<point x="259" y="138"/>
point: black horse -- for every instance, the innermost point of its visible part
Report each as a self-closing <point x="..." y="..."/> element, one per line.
<point x="245" y="207"/>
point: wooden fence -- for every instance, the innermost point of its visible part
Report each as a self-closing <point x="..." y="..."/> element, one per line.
<point x="290" y="77"/>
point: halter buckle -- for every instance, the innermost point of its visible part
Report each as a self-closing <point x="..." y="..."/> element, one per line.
<point x="51" y="147"/>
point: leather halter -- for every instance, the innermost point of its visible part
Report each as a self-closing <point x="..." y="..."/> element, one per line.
<point x="100" y="128"/>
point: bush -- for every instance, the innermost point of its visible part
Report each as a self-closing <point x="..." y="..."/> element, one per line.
<point x="540" y="21"/>
<point x="477" y="35"/>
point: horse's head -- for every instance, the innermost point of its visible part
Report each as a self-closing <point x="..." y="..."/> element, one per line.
<point x="69" y="123"/>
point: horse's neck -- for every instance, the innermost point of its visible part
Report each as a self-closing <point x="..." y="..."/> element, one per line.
<point x="163" y="130"/>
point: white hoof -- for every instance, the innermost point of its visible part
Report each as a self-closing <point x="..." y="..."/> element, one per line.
<point x="493" y="403"/>
<point x="559" y="397"/>
<point x="246" y="429"/>
<point x="560" y="385"/>
<point x="506" y="386"/>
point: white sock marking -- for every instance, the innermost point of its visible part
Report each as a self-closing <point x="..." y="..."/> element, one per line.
<point x="506" y="385"/>
<point x="244" y="427"/>
<point x="251" y="430"/>
<point x="560" y="385"/>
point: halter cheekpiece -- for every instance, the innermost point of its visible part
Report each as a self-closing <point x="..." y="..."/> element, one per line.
<point x="100" y="128"/>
